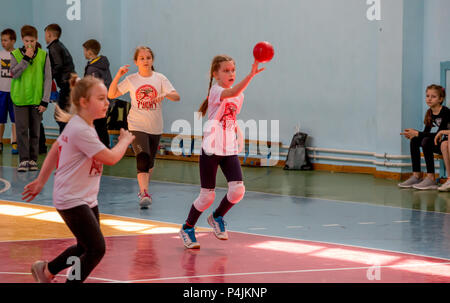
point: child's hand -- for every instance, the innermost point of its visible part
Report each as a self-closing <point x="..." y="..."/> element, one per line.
<point x="410" y="133"/>
<point x="42" y="109"/>
<point x="159" y="98"/>
<point x="31" y="190"/>
<point x="255" y="69"/>
<point x="438" y="137"/>
<point x="126" y="135"/>
<point x="123" y="70"/>
<point x="29" y="50"/>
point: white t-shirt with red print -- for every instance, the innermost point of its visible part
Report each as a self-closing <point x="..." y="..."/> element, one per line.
<point x="221" y="129"/>
<point x="77" y="176"/>
<point x="145" y="115"/>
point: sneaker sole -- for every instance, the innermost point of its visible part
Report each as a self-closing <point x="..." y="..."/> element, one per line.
<point x="223" y="238"/>
<point x="426" y="188"/>
<point x="405" y="186"/>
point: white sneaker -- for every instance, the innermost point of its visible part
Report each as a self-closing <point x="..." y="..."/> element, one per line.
<point x="218" y="225"/>
<point x="38" y="272"/>
<point x="445" y="186"/>
<point x="426" y="184"/>
<point x="145" y="199"/>
<point x="188" y="237"/>
<point x="410" y="182"/>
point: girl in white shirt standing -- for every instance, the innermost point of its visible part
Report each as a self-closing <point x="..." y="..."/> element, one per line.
<point x="78" y="156"/>
<point x="147" y="90"/>
<point x="220" y="147"/>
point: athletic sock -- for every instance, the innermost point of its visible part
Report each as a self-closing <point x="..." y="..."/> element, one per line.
<point x="223" y="208"/>
<point x="193" y="216"/>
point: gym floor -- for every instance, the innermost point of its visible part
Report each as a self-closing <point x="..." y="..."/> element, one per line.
<point x="291" y="227"/>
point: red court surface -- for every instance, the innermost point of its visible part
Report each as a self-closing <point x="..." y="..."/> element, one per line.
<point x="245" y="258"/>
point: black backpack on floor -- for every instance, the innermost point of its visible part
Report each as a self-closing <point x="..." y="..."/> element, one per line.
<point x="297" y="158"/>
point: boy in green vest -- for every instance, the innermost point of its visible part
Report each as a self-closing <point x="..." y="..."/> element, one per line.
<point x="30" y="92"/>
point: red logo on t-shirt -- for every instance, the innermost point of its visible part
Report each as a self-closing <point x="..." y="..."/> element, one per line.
<point x="228" y="119"/>
<point x="96" y="168"/>
<point x="145" y="95"/>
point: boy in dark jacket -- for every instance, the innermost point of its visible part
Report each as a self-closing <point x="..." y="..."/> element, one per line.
<point x="98" y="66"/>
<point x="62" y="66"/>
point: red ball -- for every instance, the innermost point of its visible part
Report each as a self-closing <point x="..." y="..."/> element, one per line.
<point x="263" y="52"/>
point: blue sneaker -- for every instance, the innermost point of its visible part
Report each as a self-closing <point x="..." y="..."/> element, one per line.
<point x="188" y="237"/>
<point x="218" y="225"/>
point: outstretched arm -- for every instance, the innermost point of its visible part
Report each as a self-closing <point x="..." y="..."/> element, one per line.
<point x="32" y="189"/>
<point x="241" y="86"/>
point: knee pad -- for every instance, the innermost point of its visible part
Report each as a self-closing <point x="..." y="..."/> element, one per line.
<point x="143" y="162"/>
<point x="236" y="191"/>
<point x="205" y="199"/>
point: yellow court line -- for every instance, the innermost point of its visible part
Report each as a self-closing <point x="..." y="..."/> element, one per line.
<point x="24" y="221"/>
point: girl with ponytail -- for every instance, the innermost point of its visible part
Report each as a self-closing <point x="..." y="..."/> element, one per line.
<point x="148" y="89"/>
<point x="436" y="120"/>
<point x="78" y="156"/>
<point x="220" y="147"/>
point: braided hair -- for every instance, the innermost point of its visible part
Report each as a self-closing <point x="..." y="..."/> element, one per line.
<point x="215" y="65"/>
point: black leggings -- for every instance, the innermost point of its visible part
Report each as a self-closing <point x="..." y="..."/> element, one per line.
<point x="230" y="165"/>
<point x="231" y="168"/>
<point x="84" y="223"/>
<point x="428" y="148"/>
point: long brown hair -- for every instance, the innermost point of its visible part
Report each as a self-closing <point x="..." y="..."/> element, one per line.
<point x="215" y="65"/>
<point x="441" y="92"/>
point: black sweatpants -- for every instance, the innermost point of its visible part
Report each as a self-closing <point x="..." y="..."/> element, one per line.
<point x="428" y="148"/>
<point x="84" y="223"/>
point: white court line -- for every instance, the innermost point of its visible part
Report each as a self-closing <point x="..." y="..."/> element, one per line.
<point x="250" y="273"/>
<point x="285" y="272"/>
<point x="7" y="185"/>
<point x="367" y="223"/>
<point x="331" y="225"/>
<point x="406" y="221"/>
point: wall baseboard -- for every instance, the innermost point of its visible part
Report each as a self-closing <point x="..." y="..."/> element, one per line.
<point x="256" y="162"/>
